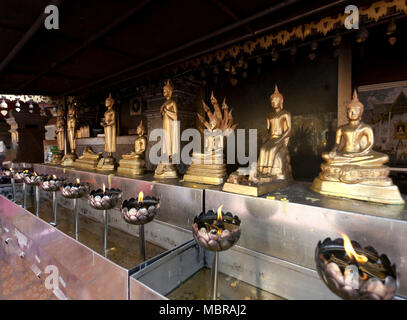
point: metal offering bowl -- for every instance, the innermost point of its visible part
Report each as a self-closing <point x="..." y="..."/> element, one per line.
<point x="104" y="200"/>
<point x="33" y="179"/>
<point x="348" y="279"/>
<point x="51" y="184"/>
<point x="139" y="213"/>
<point x="74" y="190"/>
<point x="209" y="237"/>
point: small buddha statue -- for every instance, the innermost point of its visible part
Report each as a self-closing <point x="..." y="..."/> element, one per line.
<point x="133" y="163"/>
<point x="72" y="119"/>
<point x="88" y="160"/>
<point x="353" y="169"/>
<point x="60" y="133"/>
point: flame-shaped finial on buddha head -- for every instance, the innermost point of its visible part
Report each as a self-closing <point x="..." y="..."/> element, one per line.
<point x="277" y="99"/>
<point x="140" y="128"/>
<point x="355" y="108"/>
<point x="168" y="89"/>
<point x="109" y="101"/>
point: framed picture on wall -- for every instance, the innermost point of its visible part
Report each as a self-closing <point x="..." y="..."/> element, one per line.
<point x="136" y="106"/>
<point x="386" y="112"/>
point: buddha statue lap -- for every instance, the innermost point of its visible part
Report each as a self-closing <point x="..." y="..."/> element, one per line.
<point x="352" y="169"/>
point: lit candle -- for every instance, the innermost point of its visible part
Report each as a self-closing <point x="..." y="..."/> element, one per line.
<point x="104" y="188"/>
<point x="140" y="197"/>
<point x="78" y="181"/>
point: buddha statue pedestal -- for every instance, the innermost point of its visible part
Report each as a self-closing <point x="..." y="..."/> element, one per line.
<point x="68" y="160"/>
<point x="206" y="169"/>
<point x="88" y="160"/>
<point x="250" y="185"/>
<point x="357" y="182"/>
<point x="352" y="169"/>
<point x="107" y="163"/>
<point x="134" y="167"/>
<point x="166" y="171"/>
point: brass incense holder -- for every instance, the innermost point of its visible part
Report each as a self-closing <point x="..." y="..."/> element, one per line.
<point x="363" y="275"/>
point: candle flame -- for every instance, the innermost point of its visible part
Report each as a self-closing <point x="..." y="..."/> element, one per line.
<point x="78" y="181"/>
<point x="350" y="251"/>
<point x="25" y="171"/>
<point x="220" y="218"/>
<point x="140" y="196"/>
<point x="54" y="176"/>
<point x="104" y="188"/>
<point x="35" y="174"/>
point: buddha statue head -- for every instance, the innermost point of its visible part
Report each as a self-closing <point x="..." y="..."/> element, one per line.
<point x="109" y="101"/>
<point x="60" y="112"/>
<point x="140" y="129"/>
<point x="355" y="108"/>
<point x="277" y="99"/>
<point x="72" y="110"/>
<point x="168" y="89"/>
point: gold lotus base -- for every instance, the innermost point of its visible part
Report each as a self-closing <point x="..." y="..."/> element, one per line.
<point x="382" y="194"/>
<point x="133" y="167"/>
<point x="257" y="190"/>
<point x="85" y="164"/>
<point x="167" y="175"/>
<point x="203" y="179"/>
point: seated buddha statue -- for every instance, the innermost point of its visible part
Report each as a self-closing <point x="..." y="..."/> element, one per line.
<point x="133" y="163"/>
<point x="353" y="169"/>
<point x="273" y="162"/>
<point x="273" y="169"/>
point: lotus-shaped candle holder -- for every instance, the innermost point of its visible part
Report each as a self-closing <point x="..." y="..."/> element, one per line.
<point x="373" y="277"/>
<point x="104" y="200"/>
<point x="6" y="173"/>
<point x="216" y="232"/>
<point x="74" y="190"/>
<point x="33" y="179"/>
<point x="19" y="175"/>
<point x="52" y="183"/>
<point x="139" y="213"/>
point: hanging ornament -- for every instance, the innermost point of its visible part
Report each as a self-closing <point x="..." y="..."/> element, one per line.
<point x="4" y="112"/>
<point x="31" y="107"/>
<point x="3" y="104"/>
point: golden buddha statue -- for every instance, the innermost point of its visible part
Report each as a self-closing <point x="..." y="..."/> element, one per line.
<point x="209" y="167"/>
<point x="169" y="114"/>
<point x="273" y="169"/>
<point x="352" y="168"/>
<point x="70" y="157"/>
<point x="108" y="163"/>
<point x="133" y="163"/>
<point x="60" y="133"/>
<point x="88" y="160"/>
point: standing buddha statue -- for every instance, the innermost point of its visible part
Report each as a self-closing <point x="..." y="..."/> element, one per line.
<point x="70" y="157"/>
<point x="107" y="163"/>
<point x="60" y="133"/>
<point x="169" y="114"/>
<point x="352" y="168"/>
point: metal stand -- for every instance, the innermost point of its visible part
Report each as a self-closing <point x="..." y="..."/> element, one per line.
<point x="142" y="241"/>
<point x="24" y="195"/>
<point x="215" y="275"/>
<point x="105" y="220"/>
<point x="54" y="208"/>
<point x="75" y="210"/>
<point x="37" y="201"/>
<point x="13" y="185"/>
